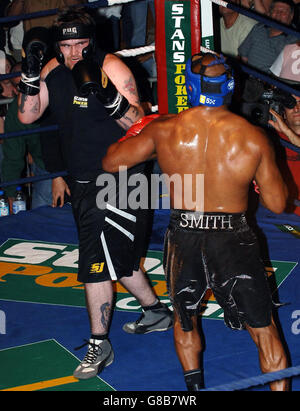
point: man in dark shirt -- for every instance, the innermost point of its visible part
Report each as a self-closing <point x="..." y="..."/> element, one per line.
<point x="110" y="238"/>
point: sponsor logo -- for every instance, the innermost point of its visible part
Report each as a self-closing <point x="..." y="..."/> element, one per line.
<point x="104" y="79"/>
<point x="208" y="101"/>
<point x="178" y="44"/>
<point x="287" y="228"/>
<point x="296" y="324"/>
<point x="80" y="101"/>
<point x="69" y="30"/>
<point x="36" y="271"/>
<point x="97" y="268"/>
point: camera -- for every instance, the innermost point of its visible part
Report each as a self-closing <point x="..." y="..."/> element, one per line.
<point x="258" y="99"/>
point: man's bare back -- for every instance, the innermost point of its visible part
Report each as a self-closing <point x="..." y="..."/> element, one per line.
<point x="212" y="142"/>
<point x="217" y="144"/>
<point x="224" y="148"/>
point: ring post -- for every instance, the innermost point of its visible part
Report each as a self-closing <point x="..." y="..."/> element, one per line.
<point x="177" y="37"/>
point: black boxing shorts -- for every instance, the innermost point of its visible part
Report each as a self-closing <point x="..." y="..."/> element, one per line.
<point x="217" y="251"/>
<point x="111" y="240"/>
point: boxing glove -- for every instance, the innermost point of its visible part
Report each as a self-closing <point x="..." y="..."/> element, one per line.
<point x="138" y="126"/>
<point x="33" y="53"/>
<point x="90" y="78"/>
<point x="256" y="188"/>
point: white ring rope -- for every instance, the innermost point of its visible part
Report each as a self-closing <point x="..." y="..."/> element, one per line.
<point x="220" y="3"/>
<point x="135" y="52"/>
<point x="113" y="2"/>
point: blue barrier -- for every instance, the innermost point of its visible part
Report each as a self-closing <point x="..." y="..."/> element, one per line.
<point x="51" y="12"/>
<point x="289" y="145"/>
<point x="29" y="131"/>
<point x="259" y="380"/>
<point x="270" y="80"/>
<point x="33" y="179"/>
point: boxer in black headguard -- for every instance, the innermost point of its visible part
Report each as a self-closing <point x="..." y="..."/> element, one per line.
<point x="208" y="243"/>
<point x="93" y="97"/>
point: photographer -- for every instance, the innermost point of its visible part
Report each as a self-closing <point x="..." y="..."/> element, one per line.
<point x="259" y="97"/>
<point x="288" y="127"/>
<point x="289" y="123"/>
<point x="270" y="107"/>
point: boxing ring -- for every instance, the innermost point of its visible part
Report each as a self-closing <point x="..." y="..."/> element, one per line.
<point x="42" y="309"/>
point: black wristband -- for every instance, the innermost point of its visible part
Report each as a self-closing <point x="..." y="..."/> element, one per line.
<point x="118" y="108"/>
<point x="29" y="86"/>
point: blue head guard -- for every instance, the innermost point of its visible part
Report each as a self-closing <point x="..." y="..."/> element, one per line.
<point x="208" y="91"/>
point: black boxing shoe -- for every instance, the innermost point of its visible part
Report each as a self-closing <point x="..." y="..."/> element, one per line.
<point x="194" y="380"/>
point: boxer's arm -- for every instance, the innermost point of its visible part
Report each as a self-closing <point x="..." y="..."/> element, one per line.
<point x="272" y="189"/>
<point x="31" y="108"/>
<point x="123" y="79"/>
<point x="33" y="93"/>
<point x="135" y="147"/>
<point x="128" y="153"/>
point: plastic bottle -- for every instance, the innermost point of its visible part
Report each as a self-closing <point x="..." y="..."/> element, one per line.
<point x="4" y="206"/>
<point x="19" y="203"/>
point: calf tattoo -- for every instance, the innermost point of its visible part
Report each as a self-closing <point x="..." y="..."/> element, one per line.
<point x="105" y="314"/>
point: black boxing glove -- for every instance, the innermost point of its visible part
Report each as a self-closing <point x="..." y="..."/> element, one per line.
<point x="33" y="52"/>
<point x="91" y="79"/>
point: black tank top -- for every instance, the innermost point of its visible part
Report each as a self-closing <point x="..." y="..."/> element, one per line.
<point x="86" y="130"/>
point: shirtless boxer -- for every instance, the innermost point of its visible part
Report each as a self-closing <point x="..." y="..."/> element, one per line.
<point x="211" y="245"/>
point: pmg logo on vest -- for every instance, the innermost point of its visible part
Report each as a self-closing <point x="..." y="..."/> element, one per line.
<point x="43" y="272"/>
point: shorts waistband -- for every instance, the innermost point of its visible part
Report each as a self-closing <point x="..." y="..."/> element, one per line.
<point x="206" y="221"/>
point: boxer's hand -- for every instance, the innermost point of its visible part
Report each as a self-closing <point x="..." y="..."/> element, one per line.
<point x="90" y="78"/>
<point x="33" y="54"/>
<point x="59" y="188"/>
<point x="138" y="126"/>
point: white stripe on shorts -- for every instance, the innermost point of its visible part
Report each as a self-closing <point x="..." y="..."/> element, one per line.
<point x="122" y="213"/>
<point x="110" y="266"/>
<point x="120" y="228"/>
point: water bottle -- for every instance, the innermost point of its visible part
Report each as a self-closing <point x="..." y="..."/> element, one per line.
<point x="19" y="203"/>
<point x="4" y="207"/>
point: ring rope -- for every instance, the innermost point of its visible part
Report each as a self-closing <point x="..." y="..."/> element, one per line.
<point x="32" y="130"/>
<point x="6" y="100"/>
<point x="259" y="380"/>
<point x="135" y="52"/>
<point x="50" y="12"/>
<point x="34" y="179"/>
<point x="270" y="80"/>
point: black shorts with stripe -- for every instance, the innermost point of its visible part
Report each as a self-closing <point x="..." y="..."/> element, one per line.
<point x="111" y="240"/>
<point x="216" y="251"/>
